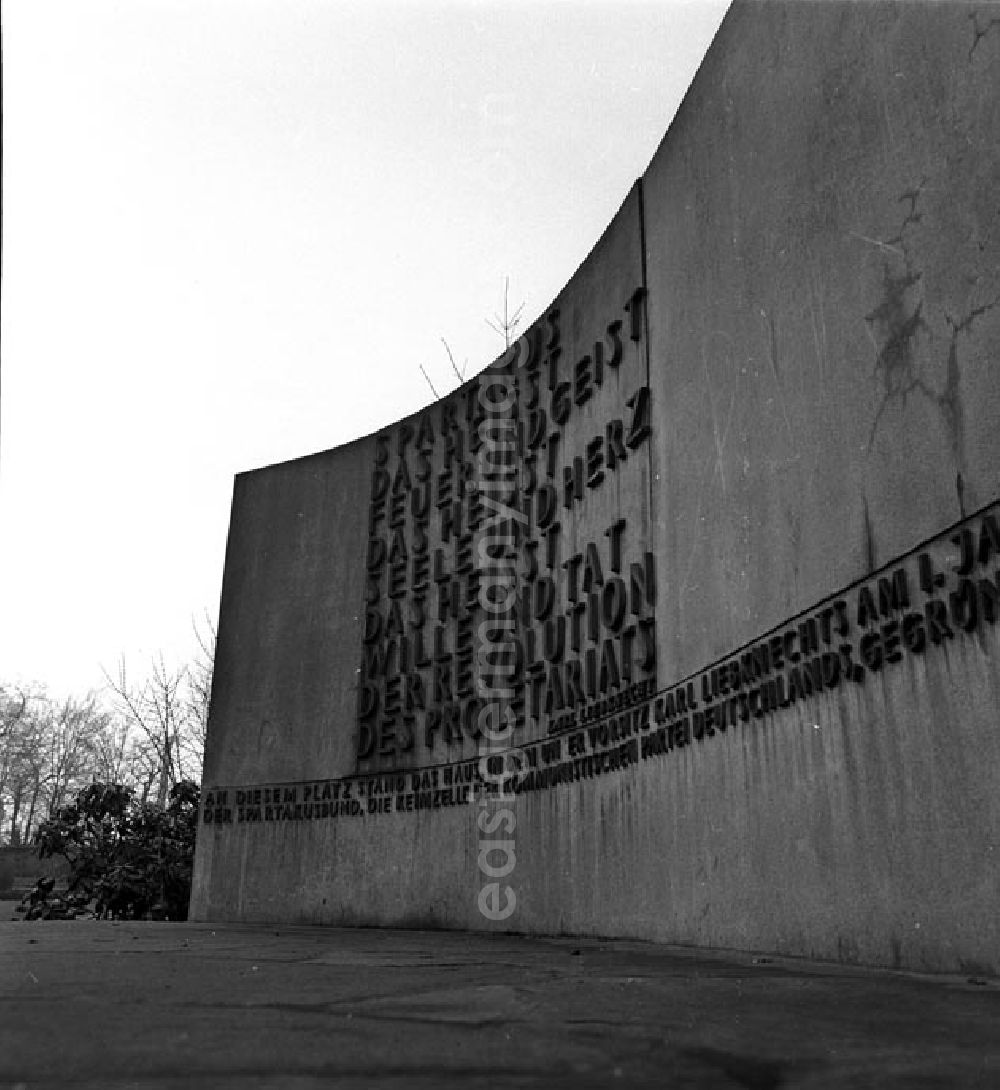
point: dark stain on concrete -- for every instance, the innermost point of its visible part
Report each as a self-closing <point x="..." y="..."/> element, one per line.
<point x="897" y="322"/>
<point x="869" y="537"/>
<point x="949" y="401"/>
<point x="749" y="1071"/>
<point x="897" y="952"/>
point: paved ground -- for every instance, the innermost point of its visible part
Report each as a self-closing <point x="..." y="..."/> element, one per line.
<point x="190" y="1005"/>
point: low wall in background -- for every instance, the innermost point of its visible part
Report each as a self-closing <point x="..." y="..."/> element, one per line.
<point x="22" y="865"/>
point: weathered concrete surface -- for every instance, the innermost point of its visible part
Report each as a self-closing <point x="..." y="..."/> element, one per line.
<point x="819" y="240"/>
<point x="293" y="622"/>
<point x="290" y="645"/>
<point x="823" y="263"/>
<point x="88" y="1004"/>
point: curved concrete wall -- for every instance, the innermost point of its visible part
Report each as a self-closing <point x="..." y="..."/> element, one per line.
<point x="781" y="728"/>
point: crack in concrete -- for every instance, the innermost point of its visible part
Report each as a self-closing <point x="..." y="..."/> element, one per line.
<point x="980" y="32"/>
<point x="966" y="322"/>
<point x="899" y="321"/>
<point x="912" y="217"/>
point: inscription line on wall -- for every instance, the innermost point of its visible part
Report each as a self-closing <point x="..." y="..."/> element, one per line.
<point x="945" y="587"/>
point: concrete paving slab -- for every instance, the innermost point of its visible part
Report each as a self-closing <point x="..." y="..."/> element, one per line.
<point x="101" y="1004"/>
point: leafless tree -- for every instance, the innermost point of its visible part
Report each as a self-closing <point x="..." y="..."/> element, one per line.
<point x="199" y="690"/>
<point x="115" y="759"/>
<point x="69" y="735"/>
<point x="507" y="323"/>
<point x="47" y="749"/>
<point x="149" y="735"/>
<point x="166" y="717"/>
<point x="14" y="730"/>
<point x="157" y="708"/>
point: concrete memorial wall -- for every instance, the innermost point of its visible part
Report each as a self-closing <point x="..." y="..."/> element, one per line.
<point x="680" y="621"/>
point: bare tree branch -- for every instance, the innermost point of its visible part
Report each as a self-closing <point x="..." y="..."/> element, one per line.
<point x="460" y="375"/>
<point x="429" y="383"/>
<point x="160" y="709"/>
<point x="508" y="323"/>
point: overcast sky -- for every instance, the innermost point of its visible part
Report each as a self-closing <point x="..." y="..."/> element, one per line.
<point x="232" y="233"/>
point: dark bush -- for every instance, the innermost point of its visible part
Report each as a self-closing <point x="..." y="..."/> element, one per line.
<point x="129" y="860"/>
